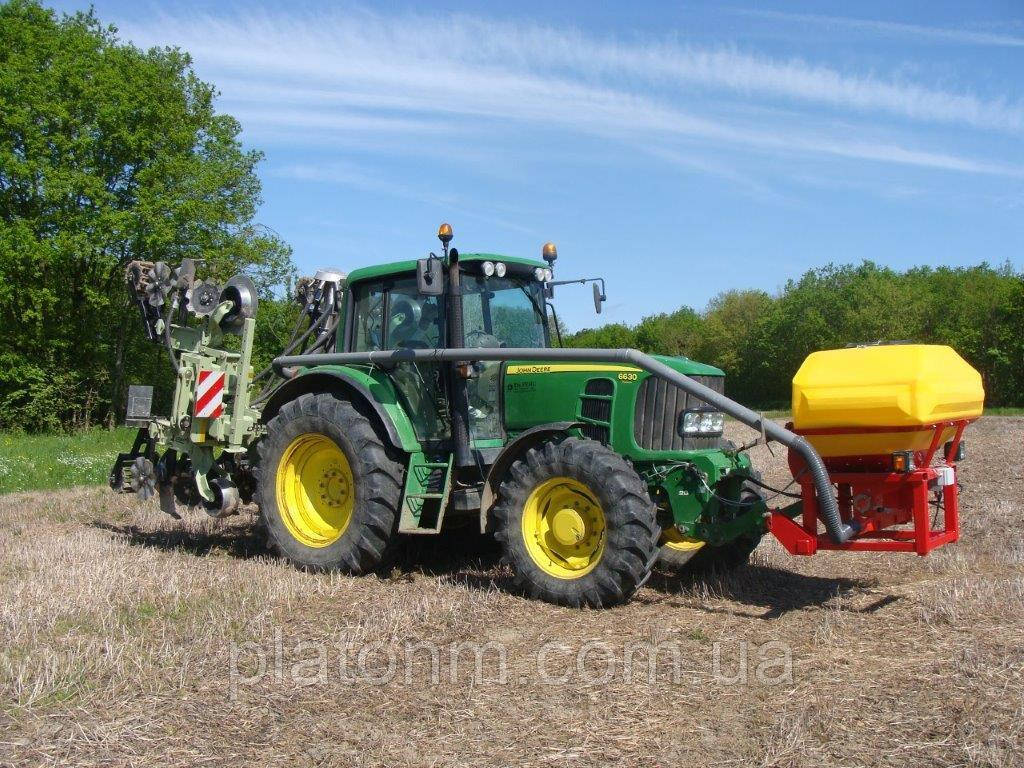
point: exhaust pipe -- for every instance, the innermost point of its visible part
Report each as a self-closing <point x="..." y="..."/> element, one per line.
<point x="839" y="531"/>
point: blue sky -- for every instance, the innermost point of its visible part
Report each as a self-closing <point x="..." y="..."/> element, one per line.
<point x="677" y="149"/>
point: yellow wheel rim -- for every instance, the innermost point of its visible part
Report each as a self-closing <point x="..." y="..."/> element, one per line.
<point x="564" y="528"/>
<point x="673" y="539"/>
<point x="315" y="490"/>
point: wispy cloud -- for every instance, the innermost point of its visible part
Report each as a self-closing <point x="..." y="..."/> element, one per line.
<point x="348" y="174"/>
<point x="357" y="72"/>
<point x="368" y="49"/>
<point x="896" y="29"/>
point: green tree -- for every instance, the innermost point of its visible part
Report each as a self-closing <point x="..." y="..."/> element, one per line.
<point x="760" y="340"/>
<point x="107" y="154"/>
<point x="612" y="336"/>
<point x="678" y="333"/>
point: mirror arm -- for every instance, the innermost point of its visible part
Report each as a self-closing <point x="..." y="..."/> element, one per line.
<point x="581" y="281"/>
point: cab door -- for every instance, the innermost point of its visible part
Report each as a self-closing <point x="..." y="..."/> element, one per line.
<point x="392" y="314"/>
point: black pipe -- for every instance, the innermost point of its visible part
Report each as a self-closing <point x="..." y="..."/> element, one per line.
<point x="457" y="382"/>
<point x="838" y="531"/>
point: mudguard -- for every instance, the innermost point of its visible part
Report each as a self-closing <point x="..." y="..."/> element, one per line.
<point x="358" y="386"/>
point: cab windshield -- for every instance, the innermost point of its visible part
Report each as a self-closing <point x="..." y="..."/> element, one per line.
<point x="503" y="312"/>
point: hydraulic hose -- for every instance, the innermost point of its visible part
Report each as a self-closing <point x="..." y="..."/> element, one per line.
<point x="297" y="341"/>
<point x="169" y="343"/>
<point x="288" y="349"/>
<point x="839" y="531"/>
<point x="324" y="338"/>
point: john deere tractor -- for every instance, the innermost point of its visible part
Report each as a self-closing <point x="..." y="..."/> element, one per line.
<point x="428" y="393"/>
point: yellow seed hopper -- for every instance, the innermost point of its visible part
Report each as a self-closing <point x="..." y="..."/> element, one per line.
<point x="876" y="400"/>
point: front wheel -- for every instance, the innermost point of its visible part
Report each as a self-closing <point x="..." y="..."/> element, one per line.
<point x="576" y="524"/>
<point x="677" y="550"/>
<point x="328" y="489"/>
<point x="696" y="557"/>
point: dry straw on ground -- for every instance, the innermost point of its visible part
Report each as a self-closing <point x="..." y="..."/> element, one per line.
<point x="129" y="638"/>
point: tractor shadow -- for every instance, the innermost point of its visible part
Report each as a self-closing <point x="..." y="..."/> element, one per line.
<point x="777" y="590"/>
<point x="462" y="556"/>
<point x="231" y="540"/>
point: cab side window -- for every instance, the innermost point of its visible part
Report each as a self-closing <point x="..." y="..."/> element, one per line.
<point x="393" y="315"/>
<point x="414" y="321"/>
<point x="369" y="323"/>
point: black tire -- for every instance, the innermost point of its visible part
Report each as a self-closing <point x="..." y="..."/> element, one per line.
<point x="675" y="559"/>
<point x="368" y="539"/>
<point x="730" y="556"/>
<point x="630" y="528"/>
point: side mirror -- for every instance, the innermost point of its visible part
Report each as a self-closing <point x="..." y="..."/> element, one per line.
<point x="430" y="276"/>
<point x="599" y="298"/>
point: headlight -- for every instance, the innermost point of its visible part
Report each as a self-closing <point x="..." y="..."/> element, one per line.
<point x="538" y="274"/>
<point x="691" y="423"/>
<point x="499" y="269"/>
<point x="488" y="268"/>
<point x="701" y="423"/>
<point x="548" y="275"/>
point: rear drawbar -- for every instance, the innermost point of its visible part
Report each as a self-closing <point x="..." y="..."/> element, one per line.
<point x="838" y="531"/>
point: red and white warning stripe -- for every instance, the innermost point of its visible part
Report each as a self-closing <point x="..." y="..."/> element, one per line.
<point x="210" y="394"/>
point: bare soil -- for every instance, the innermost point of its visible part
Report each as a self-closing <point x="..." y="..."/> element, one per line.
<point x="130" y="638"/>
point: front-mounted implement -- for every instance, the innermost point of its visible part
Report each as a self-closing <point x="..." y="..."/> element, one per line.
<point x="888" y="421"/>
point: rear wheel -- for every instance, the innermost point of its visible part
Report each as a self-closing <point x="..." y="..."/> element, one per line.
<point x="576" y="524"/>
<point x="328" y="489"/>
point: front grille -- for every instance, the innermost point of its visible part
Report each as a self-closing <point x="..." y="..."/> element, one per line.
<point x="596" y="409"/>
<point x="599" y="410"/>
<point x="659" y="406"/>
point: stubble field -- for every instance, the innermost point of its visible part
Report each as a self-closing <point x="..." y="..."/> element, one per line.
<point x="130" y="638"/>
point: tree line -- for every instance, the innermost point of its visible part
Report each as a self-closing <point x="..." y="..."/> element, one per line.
<point x="760" y="339"/>
<point x="109" y="153"/>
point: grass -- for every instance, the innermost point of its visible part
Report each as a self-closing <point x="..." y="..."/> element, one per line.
<point x="1004" y="411"/>
<point x="37" y="462"/>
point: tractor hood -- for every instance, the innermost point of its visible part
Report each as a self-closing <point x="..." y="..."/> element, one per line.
<point x="681" y="364"/>
<point x="688" y="367"/>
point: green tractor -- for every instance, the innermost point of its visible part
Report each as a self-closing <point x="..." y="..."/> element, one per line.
<point x="434" y="393"/>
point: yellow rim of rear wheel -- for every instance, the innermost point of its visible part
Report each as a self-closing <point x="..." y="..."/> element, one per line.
<point x="315" y="490"/>
<point x="673" y="539"/>
<point x="564" y="528"/>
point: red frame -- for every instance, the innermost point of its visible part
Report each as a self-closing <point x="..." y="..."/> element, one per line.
<point x="891" y="499"/>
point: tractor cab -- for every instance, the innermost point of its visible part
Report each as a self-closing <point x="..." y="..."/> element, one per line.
<point x="503" y="305"/>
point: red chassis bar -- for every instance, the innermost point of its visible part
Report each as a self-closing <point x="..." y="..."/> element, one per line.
<point x="877" y="500"/>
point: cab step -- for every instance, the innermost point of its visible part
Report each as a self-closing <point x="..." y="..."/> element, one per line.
<point x="428" y="484"/>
